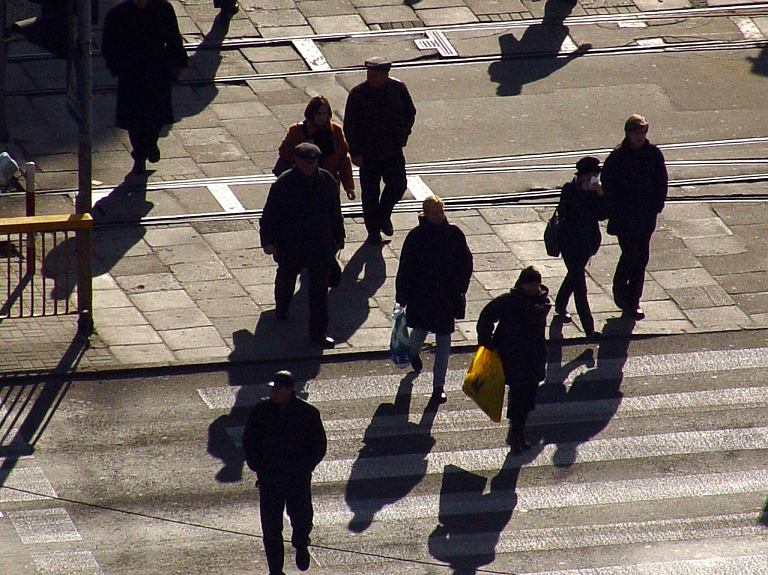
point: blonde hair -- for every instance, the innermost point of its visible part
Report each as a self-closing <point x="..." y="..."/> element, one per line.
<point x="430" y="201"/>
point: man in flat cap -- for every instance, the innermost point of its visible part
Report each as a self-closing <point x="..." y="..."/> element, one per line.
<point x="302" y="227"/>
<point x="378" y="119"/>
<point x="283" y="441"/>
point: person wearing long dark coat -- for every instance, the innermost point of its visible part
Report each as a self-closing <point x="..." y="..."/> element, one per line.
<point x="635" y="182"/>
<point x="580" y="209"/>
<point x="432" y="280"/>
<point x="143" y="48"/>
<point x="514" y="324"/>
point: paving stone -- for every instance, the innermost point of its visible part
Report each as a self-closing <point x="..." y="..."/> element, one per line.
<point x="316" y="8"/>
<point x="715" y="246"/>
<point x="701" y="297"/>
<point x="721" y="318"/>
<point x="268" y="18"/>
<point x="162" y="301"/>
<point x="343" y="23"/>
<point x="199" y="251"/>
<point x="171" y="236"/>
<point x="228" y="307"/>
<point x="386" y="14"/>
<point x="651" y="5"/>
<point x="110" y="298"/>
<point x="145" y="354"/>
<point x="286" y="31"/>
<point x="485" y="244"/>
<point x="496" y="6"/>
<point x="136" y="334"/>
<point x="177" y="319"/>
<point x="200" y="271"/>
<point x="520" y="232"/>
<point x="119" y="316"/>
<point x="204" y="354"/>
<point x="445" y="16"/>
<point x="682" y="278"/>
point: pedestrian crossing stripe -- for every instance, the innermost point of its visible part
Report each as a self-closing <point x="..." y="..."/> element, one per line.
<point x="749" y="564"/>
<point x="36" y="526"/>
<point x="25" y="484"/>
<point x="226" y="397"/>
<point x="69" y="562"/>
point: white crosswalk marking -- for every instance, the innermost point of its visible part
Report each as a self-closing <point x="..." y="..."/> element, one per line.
<point x="66" y="563"/>
<point x="25" y="484"/>
<point x="44" y="526"/>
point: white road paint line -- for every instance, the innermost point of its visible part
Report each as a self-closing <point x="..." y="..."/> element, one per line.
<point x="632" y="24"/>
<point x="44" y="526"/>
<point x="419" y="190"/>
<point x="749" y="30"/>
<point x="650" y="42"/>
<point x="545" y="413"/>
<point x="30" y="481"/>
<point x="598" y="450"/>
<point x="443" y="46"/>
<point x="567" y="495"/>
<point x="387" y="385"/>
<point x="312" y="55"/>
<point x="568" y="46"/>
<point x="66" y="563"/>
<point x="226" y="198"/>
<point x="719" y="566"/>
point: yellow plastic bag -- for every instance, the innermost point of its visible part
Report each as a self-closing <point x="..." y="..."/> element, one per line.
<point x="484" y="382"/>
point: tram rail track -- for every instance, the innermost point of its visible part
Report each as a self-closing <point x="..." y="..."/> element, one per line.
<point x="435" y="61"/>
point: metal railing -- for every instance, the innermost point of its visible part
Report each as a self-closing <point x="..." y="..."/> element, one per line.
<point x="48" y="267"/>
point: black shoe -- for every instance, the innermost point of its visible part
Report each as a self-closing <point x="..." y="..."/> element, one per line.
<point x="323" y="341"/>
<point x="564" y="316"/>
<point x="594" y="335"/>
<point x="639" y="313"/>
<point x="154" y="155"/>
<point x="386" y="227"/>
<point x="302" y="558"/>
<point x="438" y="395"/>
<point x="416" y="363"/>
<point x="373" y="239"/>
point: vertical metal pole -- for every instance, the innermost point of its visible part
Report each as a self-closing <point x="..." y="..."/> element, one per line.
<point x="84" y="239"/>
<point x="29" y="177"/>
<point x="3" y="61"/>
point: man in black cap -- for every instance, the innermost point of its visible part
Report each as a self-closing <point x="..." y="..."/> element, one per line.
<point x="283" y="441"/>
<point x="378" y="119"/>
<point x="302" y="227"/>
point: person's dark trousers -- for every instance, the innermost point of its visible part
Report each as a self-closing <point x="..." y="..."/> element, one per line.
<point x="629" y="277"/>
<point x="143" y="141"/>
<point x="575" y="283"/>
<point x="285" y="285"/>
<point x="520" y="402"/>
<point x="295" y="496"/>
<point x="378" y="204"/>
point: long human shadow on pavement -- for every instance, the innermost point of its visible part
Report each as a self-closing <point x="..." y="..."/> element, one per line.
<point x="125" y="204"/>
<point x="349" y="303"/>
<point x="535" y="55"/>
<point x="601" y="387"/>
<point x="250" y="382"/>
<point x="389" y="434"/>
<point x="470" y="521"/>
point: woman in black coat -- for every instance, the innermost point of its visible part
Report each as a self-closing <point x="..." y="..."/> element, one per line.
<point x="142" y="46"/>
<point x="432" y="278"/>
<point x="580" y="209"/>
<point x="520" y="320"/>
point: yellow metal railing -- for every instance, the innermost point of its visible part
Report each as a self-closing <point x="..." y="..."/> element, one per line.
<point x="48" y="262"/>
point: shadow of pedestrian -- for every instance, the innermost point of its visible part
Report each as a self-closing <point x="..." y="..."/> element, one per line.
<point x="127" y="203"/>
<point x="349" y="303"/>
<point x="389" y="434"/>
<point x="248" y="384"/>
<point x="598" y="392"/>
<point x="196" y="91"/>
<point x="470" y="521"/>
<point x="537" y="54"/>
<point x="760" y="63"/>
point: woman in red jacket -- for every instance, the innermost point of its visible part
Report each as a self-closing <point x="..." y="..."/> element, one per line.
<point x="318" y="129"/>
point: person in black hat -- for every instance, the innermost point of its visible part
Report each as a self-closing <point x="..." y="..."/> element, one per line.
<point x="284" y="440"/>
<point x="378" y="119"/>
<point x="635" y="181"/>
<point x="514" y="324"/>
<point x="581" y="208"/>
<point x="302" y="227"/>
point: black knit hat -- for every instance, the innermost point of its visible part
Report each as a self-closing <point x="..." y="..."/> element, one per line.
<point x="529" y="275"/>
<point x="587" y="165"/>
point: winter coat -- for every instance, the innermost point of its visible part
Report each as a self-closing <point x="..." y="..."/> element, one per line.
<point x="144" y="49"/>
<point x="635" y="187"/>
<point x="433" y="276"/>
<point x="284" y="445"/>
<point x="335" y="150"/>
<point x="378" y="121"/>
<point x="302" y="218"/>
<point x="580" y="212"/>
<point x="519" y="337"/>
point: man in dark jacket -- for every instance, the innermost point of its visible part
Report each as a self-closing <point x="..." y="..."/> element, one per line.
<point x="378" y="119"/>
<point x="302" y="227"/>
<point x="634" y="180"/>
<point x="520" y="320"/>
<point x="432" y="278"/>
<point x="142" y="46"/>
<point x="283" y="441"/>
